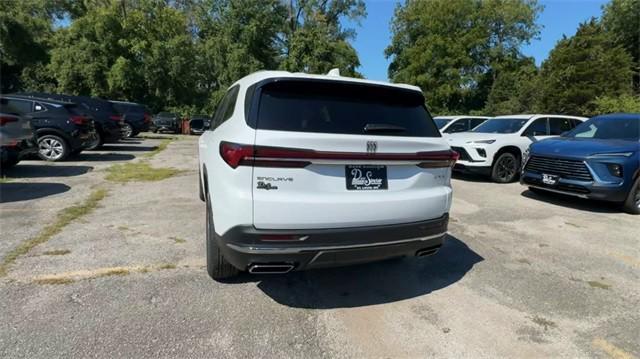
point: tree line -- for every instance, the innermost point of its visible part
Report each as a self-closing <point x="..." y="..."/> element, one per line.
<point x="181" y="55"/>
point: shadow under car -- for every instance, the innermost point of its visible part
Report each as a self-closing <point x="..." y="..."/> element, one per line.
<point x="15" y="192"/>
<point x="368" y="284"/>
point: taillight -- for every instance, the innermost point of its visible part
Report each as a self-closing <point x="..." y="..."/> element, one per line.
<point x="234" y="154"/>
<point x="439" y="159"/>
<point x="264" y="156"/>
<point x="115" y="117"/>
<point x="7" y="119"/>
<point x="78" y="120"/>
<point x="147" y="118"/>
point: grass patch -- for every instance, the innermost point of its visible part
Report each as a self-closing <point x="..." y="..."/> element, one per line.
<point x="546" y="323"/>
<point x="178" y="240"/>
<point x="57" y="252"/>
<point x="600" y="285"/>
<point x="158" y="137"/>
<point x="139" y="172"/>
<point x="167" y="266"/>
<point x="161" y="147"/>
<point x="123" y="228"/>
<point x="63" y="218"/>
<point x="5" y="179"/>
<point x="54" y="281"/>
<point x="113" y="271"/>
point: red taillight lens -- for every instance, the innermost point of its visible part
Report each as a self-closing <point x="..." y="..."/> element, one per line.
<point x="7" y="119"/>
<point x="439" y="159"/>
<point x="78" y="120"/>
<point x="234" y="154"/>
<point x="115" y="117"/>
<point x="147" y="118"/>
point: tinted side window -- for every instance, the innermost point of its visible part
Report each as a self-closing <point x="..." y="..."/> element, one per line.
<point x="458" y="126"/>
<point x="537" y="128"/>
<point x="559" y="125"/>
<point x="343" y="108"/>
<point x="475" y="122"/>
<point x="21" y="106"/>
<point x="226" y="107"/>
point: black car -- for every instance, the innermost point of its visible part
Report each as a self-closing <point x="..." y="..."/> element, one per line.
<point x="16" y="136"/>
<point x="166" y="121"/>
<point x="61" y="128"/>
<point x="198" y="124"/>
<point x="137" y="117"/>
<point x="107" y="120"/>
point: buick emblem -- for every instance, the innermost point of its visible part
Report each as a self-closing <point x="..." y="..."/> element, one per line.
<point x="372" y="147"/>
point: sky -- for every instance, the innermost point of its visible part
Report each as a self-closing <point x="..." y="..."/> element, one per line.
<point x="559" y="17"/>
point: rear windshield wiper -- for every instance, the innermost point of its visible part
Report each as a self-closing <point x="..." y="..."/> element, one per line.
<point x="383" y="127"/>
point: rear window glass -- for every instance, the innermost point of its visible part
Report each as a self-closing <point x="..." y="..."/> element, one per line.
<point x="331" y="107"/>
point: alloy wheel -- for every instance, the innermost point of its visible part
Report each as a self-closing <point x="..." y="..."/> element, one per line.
<point x="127" y="130"/>
<point x="51" y="148"/>
<point x="506" y="168"/>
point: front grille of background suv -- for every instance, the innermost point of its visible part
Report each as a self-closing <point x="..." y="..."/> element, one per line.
<point x="569" y="169"/>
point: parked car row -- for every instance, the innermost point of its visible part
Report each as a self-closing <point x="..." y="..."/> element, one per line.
<point x="56" y="126"/>
<point x="172" y="122"/>
<point x="594" y="158"/>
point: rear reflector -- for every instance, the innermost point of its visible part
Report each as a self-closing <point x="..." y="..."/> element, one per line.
<point x="282" y="237"/>
<point x="263" y="156"/>
<point x="7" y="119"/>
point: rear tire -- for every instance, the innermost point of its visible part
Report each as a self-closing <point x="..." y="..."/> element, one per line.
<point x="53" y="148"/>
<point x="127" y="130"/>
<point x="96" y="143"/>
<point x="506" y="168"/>
<point x="217" y="265"/>
<point x="632" y="203"/>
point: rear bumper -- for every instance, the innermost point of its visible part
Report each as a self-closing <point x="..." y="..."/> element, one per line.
<point x="242" y="245"/>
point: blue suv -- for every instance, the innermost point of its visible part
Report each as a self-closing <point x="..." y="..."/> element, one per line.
<point x="599" y="159"/>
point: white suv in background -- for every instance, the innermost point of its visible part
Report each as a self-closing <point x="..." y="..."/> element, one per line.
<point x="496" y="147"/>
<point x="303" y="171"/>
<point x="454" y="124"/>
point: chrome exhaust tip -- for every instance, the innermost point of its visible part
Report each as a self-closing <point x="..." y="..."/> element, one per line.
<point x="427" y="252"/>
<point x="270" y="268"/>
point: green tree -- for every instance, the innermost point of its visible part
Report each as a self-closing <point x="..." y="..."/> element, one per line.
<point x="622" y="19"/>
<point x="313" y="39"/>
<point x="515" y="90"/>
<point x="582" y="68"/>
<point x="623" y="103"/>
<point x="26" y="27"/>
<point x="455" y="49"/>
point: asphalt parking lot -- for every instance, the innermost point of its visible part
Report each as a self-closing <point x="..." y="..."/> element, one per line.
<point x="520" y="275"/>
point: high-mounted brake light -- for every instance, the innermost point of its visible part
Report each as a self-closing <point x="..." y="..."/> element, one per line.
<point x="7" y="119"/>
<point x="264" y="156"/>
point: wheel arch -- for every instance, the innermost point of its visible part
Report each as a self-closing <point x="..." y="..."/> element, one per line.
<point x="510" y="149"/>
<point x="51" y="131"/>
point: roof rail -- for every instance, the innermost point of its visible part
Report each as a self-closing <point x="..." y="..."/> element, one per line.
<point x="334" y="72"/>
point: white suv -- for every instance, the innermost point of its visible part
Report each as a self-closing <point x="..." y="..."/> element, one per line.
<point x="496" y="147"/>
<point x="454" y="124"/>
<point x="303" y="171"/>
